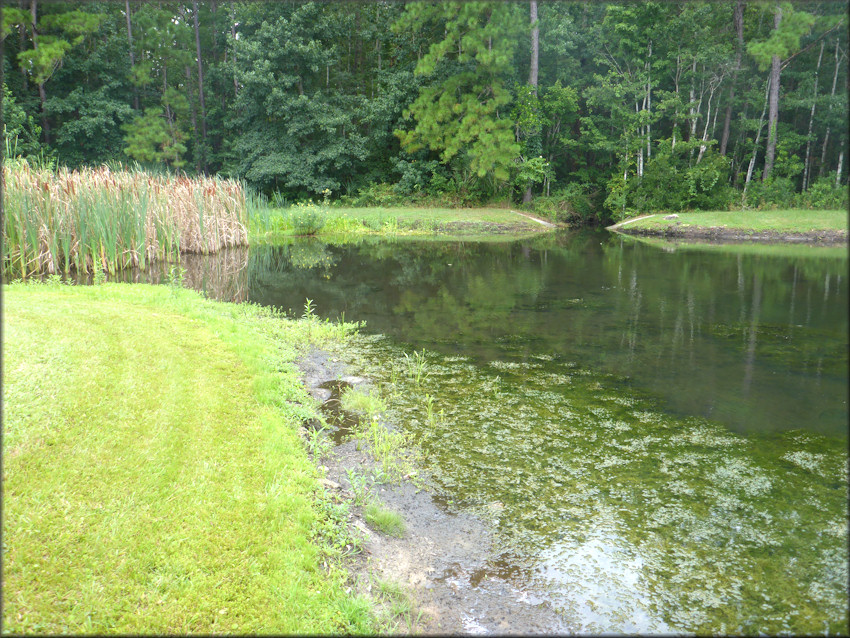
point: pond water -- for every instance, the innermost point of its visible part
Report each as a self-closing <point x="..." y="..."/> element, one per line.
<point x="659" y="437"/>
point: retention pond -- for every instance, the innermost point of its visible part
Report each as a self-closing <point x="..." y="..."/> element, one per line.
<point x="658" y="436"/>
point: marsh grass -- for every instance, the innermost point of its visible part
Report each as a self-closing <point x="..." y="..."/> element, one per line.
<point x="102" y="219"/>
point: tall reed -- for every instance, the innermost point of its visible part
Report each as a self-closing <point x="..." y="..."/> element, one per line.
<point x="99" y="218"/>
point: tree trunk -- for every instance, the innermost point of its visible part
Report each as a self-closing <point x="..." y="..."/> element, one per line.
<point x="233" y="35"/>
<point x="42" y="94"/>
<point x="807" y="165"/>
<point x="535" y="47"/>
<point x="739" y="31"/>
<point x="704" y="146"/>
<point x="676" y="114"/>
<point x="832" y="95"/>
<point x="132" y="53"/>
<point x="533" y="72"/>
<point x="758" y="137"/>
<point x="200" y="83"/>
<point x="773" y="116"/>
<point x="648" y="102"/>
<point x="194" y="115"/>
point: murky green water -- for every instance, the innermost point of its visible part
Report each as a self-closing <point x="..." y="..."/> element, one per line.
<point x="659" y="437"/>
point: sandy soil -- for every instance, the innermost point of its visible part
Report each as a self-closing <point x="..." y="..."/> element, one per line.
<point x="446" y="560"/>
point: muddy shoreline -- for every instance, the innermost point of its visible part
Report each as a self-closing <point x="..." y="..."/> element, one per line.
<point x="715" y="234"/>
<point x="446" y="561"/>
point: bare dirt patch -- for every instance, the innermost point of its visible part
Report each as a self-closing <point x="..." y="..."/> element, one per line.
<point x="446" y="561"/>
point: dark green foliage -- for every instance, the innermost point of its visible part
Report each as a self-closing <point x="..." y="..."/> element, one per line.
<point x="385" y="103"/>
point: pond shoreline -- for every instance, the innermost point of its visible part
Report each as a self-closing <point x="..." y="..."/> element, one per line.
<point x="446" y="560"/>
<point x="719" y="234"/>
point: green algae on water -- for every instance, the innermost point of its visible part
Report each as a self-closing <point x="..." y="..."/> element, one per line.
<point x="631" y="519"/>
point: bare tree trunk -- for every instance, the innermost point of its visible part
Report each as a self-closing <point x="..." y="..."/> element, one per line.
<point x="649" y="102"/>
<point x="758" y="137"/>
<point x="200" y="83"/>
<point x="42" y="94"/>
<point x="838" y="170"/>
<point x="533" y="72"/>
<point x="640" y="149"/>
<point x="676" y="116"/>
<point x="738" y="18"/>
<point x="773" y="116"/>
<point x="194" y="115"/>
<point x="832" y="95"/>
<point x="132" y="53"/>
<point x="233" y="35"/>
<point x="808" y="162"/>
<point x="703" y="146"/>
<point x="693" y="97"/>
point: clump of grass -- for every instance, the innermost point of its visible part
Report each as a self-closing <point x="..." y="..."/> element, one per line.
<point x="417" y="366"/>
<point x="368" y="403"/>
<point x="384" y="520"/>
<point x="94" y="219"/>
<point x="389" y="448"/>
<point x="397" y="605"/>
<point x="307" y="218"/>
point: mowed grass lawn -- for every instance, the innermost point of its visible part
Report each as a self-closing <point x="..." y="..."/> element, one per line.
<point x="153" y="477"/>
<point x="407" y="217"/>
<point x="794" y="220"/>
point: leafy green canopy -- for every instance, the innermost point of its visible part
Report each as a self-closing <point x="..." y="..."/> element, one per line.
<point x="463" y="110"/>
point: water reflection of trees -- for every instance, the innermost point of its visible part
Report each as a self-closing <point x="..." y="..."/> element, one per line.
<point x="716" y="335"/>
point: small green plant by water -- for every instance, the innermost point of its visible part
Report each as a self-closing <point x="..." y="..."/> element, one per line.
<point x="417" y="366"/>
<point x="318" y="444"/>
<point x="359" y="486"/>
<point x="384" y="520"/>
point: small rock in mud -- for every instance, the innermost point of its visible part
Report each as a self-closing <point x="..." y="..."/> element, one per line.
<point x="352" y="380"/>
<point x="312" y="424"/>
<point x="320" y="394"/>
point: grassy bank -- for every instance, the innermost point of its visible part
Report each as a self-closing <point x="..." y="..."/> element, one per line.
<point x="779" y="221"/>
<point x="269" y="224"/>
<point x="791" y="250"/>
<point x="99" y="219"/>
<point x="154" y="480"/>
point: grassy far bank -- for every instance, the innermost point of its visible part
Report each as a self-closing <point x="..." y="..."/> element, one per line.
<point x="786" y="250"/>
<point x="154" y="480"/>
<point x="788" y="221"/>
<point x="270" y="224"/>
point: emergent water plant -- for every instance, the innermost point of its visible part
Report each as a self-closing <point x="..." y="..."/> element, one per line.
<point x="93" y="219"/>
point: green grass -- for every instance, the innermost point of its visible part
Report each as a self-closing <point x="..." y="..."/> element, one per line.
<point x="367" y="403"/>
<point x="800" y="221"/>
<point x="271" y="224"/>
<point x="154" y="480"/>
<point x="789" y="250"/>
<point x="384" y="520"/>
<point x="410" y="217"/>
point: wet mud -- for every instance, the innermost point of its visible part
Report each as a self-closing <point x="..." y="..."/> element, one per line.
<point x="446" y="561"/>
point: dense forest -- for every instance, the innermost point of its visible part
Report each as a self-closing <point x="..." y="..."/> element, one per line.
<point x="593" y="110"/>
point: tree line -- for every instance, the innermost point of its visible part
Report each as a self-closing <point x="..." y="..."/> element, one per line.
<point x="591" y="109"/>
